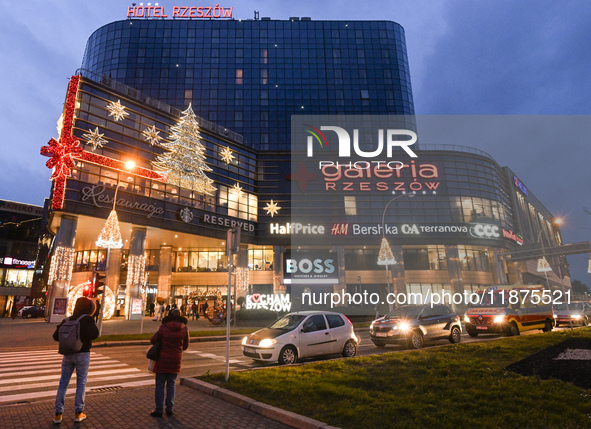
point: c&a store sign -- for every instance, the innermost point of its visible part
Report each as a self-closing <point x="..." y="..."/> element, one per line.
<point x="188" y="12"/>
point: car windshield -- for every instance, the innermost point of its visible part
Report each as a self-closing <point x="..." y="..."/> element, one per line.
<point x="410" y="312"/>
<point x="288" y="322"/>
<point x="486" y="299"/>
<point x="573" y="306"/>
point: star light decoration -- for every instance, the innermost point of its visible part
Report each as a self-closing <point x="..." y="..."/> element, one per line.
<point x="272" y="208"/>
<point x="151" y="135"/>
<point x="236" y="190"/>
<point x="117" y="110"/>
<point x="226" y="155"/>
<point x="95" y="138"/>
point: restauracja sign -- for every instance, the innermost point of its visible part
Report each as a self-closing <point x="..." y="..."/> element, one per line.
<point x="189" y="12"/>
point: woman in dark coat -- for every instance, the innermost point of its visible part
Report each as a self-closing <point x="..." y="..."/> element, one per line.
<point x="174" y="337"/>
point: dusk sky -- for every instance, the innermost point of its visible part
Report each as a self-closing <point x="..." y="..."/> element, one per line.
<point x="466" y="58"/>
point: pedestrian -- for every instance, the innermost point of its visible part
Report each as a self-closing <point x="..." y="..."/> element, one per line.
<point x="97" y="311"/>
<point x="13" y="311"/>
<point x="183" y="307"/>
<point x="204" y="307"/>
<point x="195" y="310"/>
<point x="152" y="308"/>
<point x="79" y="361"/>
<point x="174" y="337"/>
<point x="167" y="310"/>
<point x="161" y="312"/>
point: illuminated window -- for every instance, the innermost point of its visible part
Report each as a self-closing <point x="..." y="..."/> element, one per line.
<point x="350" y="206"/>
<point x="239" y="77"/>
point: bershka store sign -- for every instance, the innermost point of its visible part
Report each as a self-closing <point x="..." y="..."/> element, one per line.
<point x="186" y="12"/>
<point x="310" y="268"/>
<point x="479" y="230"/>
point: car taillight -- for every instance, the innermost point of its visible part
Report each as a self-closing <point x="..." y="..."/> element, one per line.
<point x="347" y="319"/>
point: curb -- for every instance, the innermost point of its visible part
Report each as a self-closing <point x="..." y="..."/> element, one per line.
<point x="277" y="414"/>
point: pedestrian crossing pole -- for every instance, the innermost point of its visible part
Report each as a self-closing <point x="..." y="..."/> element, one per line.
<point x="232" y="246"/>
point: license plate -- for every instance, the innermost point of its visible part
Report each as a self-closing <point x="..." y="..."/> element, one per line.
<point x="482" y="327"/>
<point x="249" y="350"/>
<point x="381" y="334"/>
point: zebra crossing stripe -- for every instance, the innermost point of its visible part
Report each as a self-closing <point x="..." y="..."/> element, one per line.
<point x="57" y="376"/>
<point x="105" y="364"/>
<point x="38" y="362"/>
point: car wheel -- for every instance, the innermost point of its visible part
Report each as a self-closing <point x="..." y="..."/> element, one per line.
<point x="29" y="315"/>
<point x="288" y="355"/>
<point x="416" y="339"/>
<point x="350" y="349"/>
<point x="547" y="326"/>
<point x="456" y="335"/>
<point x="379" y="344"/>
<point x="585" y="321"/>
<point x="557" y="325"/>
<point x="512" y="330"/>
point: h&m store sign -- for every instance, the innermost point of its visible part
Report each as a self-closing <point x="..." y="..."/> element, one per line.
<point x="188" y="12"/>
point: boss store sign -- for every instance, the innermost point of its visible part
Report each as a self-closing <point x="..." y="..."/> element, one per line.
<point x="310" y="269"/>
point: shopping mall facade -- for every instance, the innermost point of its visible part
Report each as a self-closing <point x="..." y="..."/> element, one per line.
<point x="250" y="84"/>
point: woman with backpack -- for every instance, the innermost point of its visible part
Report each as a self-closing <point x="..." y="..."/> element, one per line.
<point x="174" y="338"/>
<point x="75" y="335"/>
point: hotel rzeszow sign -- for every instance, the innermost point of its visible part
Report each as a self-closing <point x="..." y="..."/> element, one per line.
<point x="188" y="12"/>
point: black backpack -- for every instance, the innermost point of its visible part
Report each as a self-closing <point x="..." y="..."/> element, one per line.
<point x="69" y="336"/>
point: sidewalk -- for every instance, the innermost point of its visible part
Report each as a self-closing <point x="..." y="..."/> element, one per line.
<point x="130" y="408"/>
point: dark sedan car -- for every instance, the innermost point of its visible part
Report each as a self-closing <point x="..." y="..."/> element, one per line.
<point x="414" y="324"/>
<point x="35" y="311"/>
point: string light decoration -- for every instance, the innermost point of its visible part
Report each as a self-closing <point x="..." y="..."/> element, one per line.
<point x="110" y="235"/>
<point x="184" y="160"/>
<point x="136" y="265"/>
<point x="117" y="110"/>
<point x="386" y="257"/>
<point x="589" y="267"/>
<point x="95" y="138"/>
<point x="272" y="208"/>
<point x="543" y="265"/>
<point x="66" y="149"/>
<point x="108" y="300"/>
<point x="62" y="264"/>
<point x="151" y="135"/>
<point x="60" y="125"/>
<point x="242" y="278"/>
<point x="226" y="155"/>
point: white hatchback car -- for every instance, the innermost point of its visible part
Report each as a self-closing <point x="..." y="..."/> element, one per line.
<point x="300" y="335"/>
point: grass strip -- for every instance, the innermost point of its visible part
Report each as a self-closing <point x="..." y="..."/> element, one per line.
<point x="462" y="385"/>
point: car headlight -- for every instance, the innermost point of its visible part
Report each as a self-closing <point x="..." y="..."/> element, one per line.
<point x="403" y="326"/>
<point x="499" y="319"/>
<point x="267" y="342"/>
<point x="466" y="319"/>
<point x="576" y="316"/>
<point x="244" y="340"/>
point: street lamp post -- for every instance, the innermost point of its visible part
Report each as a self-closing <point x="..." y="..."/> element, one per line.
<point x="386" y="256"/>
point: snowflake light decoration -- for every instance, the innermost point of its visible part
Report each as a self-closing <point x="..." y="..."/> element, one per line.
<point x="226" y="155"/>
<point x="272" y="208"/>
<point x="236" y="190"/>
<point x="95" y="138"/>
<point x="151" y="135"/>
<point x="117" y="110"/>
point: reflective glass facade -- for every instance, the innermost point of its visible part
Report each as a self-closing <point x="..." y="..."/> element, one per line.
<point x="251" y="76"/>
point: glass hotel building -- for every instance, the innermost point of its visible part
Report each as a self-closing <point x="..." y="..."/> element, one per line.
<point x="245" y="80"/>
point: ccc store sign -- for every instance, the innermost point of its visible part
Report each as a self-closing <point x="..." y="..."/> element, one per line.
<point x="485" y="231"/>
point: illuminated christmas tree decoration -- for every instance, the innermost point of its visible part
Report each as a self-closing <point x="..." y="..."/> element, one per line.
<point x="236" y="190"/>
<point x="272" y="208"/>
<point x="226" y="155"/>
<point x="386" y="257"/>
<point x="78" y="291"/>
<point x="589" y="267"/>
<point x="543" y="265"/>
<point x="95" y="138"/>
<point x="151" y="135"/>
<point x="184" y="161"/>
<point x="117" y="110"/>
<point x="110" y="235"/>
